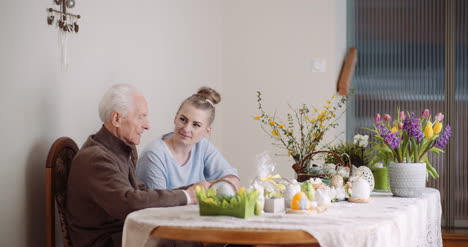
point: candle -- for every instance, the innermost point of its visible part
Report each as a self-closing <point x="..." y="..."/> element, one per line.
<point x="381" y="179"/>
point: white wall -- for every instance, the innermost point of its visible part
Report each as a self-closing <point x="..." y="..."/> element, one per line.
<point x="269" y="46"/>
<point x="166" y="48"/>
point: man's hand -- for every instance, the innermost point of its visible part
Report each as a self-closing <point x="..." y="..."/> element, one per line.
<point x="192" y="192"/>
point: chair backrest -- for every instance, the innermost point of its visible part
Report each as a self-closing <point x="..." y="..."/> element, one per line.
<point x="58" y="164"/>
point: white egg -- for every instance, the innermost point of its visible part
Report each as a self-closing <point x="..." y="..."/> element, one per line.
<point x="224" y="189"/>
<point x="337" y="181"/>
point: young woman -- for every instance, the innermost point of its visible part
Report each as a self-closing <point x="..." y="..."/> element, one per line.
<point x="185" y="156"/>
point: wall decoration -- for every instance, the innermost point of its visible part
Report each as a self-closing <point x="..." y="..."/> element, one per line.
<point x="347" y="72"/>
<point x="67" y="24"/>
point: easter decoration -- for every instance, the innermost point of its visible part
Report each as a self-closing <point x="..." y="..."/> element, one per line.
<point x="291" y="190"/>
<point x="241" y="204"/>
<point x="271" y="186"/>
<point x="312" y="199"/>
<point x="360" y="190"/>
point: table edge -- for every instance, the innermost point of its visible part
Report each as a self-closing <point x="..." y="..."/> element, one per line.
<point x="234" y="235"/>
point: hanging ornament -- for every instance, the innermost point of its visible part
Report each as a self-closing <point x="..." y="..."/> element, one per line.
<point x="70" y="3"/>
<point x="76" y="26"/>
<point x="50" y="19"/>
<point x="67" y="23"/>
<point x="61" y="23"/>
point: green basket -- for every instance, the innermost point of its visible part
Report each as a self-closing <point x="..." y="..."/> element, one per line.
<point x="241" y="205"/>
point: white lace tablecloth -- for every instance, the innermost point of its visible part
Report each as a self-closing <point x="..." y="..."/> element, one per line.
<point x="385" y="221"/>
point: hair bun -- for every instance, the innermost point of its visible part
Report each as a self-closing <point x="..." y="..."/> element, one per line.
<point x="210" y="94"/>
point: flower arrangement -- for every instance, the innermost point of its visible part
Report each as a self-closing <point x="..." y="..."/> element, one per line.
<point x="408" y="139"/>
<point x="304" y="128"/>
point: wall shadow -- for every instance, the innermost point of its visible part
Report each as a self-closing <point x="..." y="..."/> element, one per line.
<point x="35" y="192"/>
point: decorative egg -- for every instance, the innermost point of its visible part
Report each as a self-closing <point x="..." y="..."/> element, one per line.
<point x="337" y="181"/>
<point x="368" y="176"/>
<point x="361" y="189"/>
<point x="300" y="202"/>
<point x="224" y="189"/>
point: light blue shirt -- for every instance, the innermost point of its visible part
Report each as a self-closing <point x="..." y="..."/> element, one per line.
<point x="158" y="169"/>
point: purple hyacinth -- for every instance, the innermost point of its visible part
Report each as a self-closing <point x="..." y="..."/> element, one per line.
<point x="443" y="139"/>
<point x="391" y="139"/>
<point x="413" y="127"/>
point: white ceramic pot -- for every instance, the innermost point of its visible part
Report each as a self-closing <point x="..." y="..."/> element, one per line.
<point x="407" y="179"/>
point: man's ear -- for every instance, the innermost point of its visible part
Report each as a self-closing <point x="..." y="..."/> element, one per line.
<point x="116" y="119"/>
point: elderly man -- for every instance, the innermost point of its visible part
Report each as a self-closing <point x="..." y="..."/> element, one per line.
<point x="102" y="187"/>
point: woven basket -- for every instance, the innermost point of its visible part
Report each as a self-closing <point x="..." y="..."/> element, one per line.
<point x="301" y="176"/>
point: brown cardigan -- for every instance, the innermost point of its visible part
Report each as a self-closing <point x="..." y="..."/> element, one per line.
<point x="103" y="190"/>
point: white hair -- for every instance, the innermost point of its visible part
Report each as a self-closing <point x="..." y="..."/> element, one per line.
<point x="118" y="98"/>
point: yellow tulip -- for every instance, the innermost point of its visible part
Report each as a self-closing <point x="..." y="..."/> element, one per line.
<point x="428" y="132"/>
<point x="437" y="127"/>
<point x="394" y="129"/>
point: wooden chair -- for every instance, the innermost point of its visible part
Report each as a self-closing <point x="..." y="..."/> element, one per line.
<point x="58" y="163"/>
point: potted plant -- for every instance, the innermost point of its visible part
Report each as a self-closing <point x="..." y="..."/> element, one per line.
<point x="404" y="144"/>
<point x="303" y="130"/>
<point x="352" y="152"/>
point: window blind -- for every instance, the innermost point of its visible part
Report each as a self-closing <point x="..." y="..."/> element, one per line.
<point x="412" y="55"/>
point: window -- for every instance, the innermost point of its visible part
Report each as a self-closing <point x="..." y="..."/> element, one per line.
<point x="413" y="54"/>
